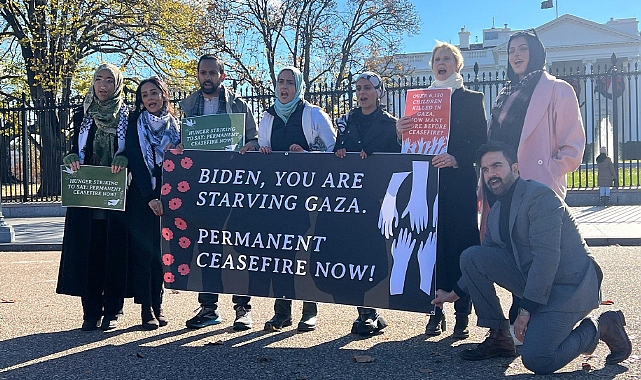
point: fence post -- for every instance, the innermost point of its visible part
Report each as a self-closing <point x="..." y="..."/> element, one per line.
<point x="26" y="185"/>
<point x="615" y="116"/>
<point x="350" y="91"/>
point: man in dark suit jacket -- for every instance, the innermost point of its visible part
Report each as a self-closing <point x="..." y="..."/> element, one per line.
<point x="532" y="247"/>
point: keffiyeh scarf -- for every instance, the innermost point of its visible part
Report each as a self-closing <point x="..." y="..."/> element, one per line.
<point x="103" y="144"/>
<point x="154" y="134"/>
<point x="508" y="113"/>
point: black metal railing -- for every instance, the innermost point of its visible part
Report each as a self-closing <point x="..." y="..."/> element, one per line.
<point x="608" y="97"/>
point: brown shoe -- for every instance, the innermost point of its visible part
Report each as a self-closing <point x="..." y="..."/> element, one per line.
<point x="498" y="343"/>
<point x="613" y="334"/>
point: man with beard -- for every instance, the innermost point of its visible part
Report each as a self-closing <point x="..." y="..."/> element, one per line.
<point x="532" y="247"/>
<point x="214" y="98"/>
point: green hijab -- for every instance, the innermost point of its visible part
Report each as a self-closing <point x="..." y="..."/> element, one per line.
<point x="105" y="113"/>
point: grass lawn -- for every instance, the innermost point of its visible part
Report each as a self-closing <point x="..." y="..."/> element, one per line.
<point x="583" y="179"/>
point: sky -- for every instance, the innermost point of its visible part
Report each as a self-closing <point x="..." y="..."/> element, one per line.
<point x="443" y="20"/>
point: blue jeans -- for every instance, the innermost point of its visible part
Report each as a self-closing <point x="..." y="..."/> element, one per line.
<point x="604" y="191"/>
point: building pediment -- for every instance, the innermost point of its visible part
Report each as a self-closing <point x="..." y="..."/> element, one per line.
<point x="572" y="31"/>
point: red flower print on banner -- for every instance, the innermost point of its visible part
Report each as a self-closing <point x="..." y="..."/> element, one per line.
<point x="175" y="203"/>
<point x="183" y="186"/>
<point x="186" y="162"/>
<point x="167" y="234"/>
<point x="180" y="223"/>
<point x="184" y="242"/>
<point x="167" y="259"/>
<point x="169" y="277"/>
<point x="168" y="165"/>
<point x="165" y="189"/>
<point x="183" y="269"/>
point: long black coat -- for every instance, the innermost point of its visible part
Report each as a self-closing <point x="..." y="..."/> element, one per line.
<point x="457" y="209"/>
<point x="143" y="226"/>
<point x="379" y="136"/>
<point x="85" y="240"/>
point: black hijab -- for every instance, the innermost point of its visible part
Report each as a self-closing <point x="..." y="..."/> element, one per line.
<point x="537" y="54"/>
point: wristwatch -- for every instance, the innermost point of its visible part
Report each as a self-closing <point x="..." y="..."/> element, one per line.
<point x="524" y="312"/>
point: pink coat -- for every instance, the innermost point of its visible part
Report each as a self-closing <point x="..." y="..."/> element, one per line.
<point x="552" y="140"/>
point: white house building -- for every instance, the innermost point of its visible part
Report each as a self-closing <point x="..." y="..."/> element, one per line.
<point x="570" y="41"/>
<point x="574" y="46"/>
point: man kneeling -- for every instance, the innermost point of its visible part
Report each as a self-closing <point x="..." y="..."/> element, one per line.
<point x="532" y="247"/>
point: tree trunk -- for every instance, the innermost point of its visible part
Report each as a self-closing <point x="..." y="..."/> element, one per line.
<point x="52" y="147"/>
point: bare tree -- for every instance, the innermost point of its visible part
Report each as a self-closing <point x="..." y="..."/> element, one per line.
<point x="54" y="36"/>
<point x="316" y="36"/>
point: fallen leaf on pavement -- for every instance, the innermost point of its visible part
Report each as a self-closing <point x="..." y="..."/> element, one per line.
<point x="175" y="292"/>
<point x="263" y="359"/>
<point x="216" y="343"/>
<point x="7" y="301"/>
<point x="607" y="302"/>
<point x="426" y="370"/>
<point x="363" y="359"/>
<point x="586" y="367"/>
<point x="140" y="355"/>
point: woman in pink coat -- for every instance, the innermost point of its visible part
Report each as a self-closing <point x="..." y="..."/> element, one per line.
<point x="538" y="115"/>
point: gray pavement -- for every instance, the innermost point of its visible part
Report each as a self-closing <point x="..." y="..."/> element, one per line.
<point x="600" y="226"/>
<point x="40" y="337"/>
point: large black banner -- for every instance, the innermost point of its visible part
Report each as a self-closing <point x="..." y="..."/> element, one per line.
<point x="307" y="226"/>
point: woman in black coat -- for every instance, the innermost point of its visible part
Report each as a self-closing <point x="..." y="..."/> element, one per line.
<point x="367" y="129"/>
<point x="152" y="130"/>
<point x="457" y="210"/>
<point x="94" y="264"/>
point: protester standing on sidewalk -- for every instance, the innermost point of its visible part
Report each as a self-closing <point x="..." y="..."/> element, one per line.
<point x="214" y="98"/>
<point x="537" y="115"/>
<point x="457" y="211"/>
<point x="292" y="124"/>
<point x="152" y="130"/>
<point x="367" y="129"/>
<point x="94" y="263"/>
<point x="606" y="174"/>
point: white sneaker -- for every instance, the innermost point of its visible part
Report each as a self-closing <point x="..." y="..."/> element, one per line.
<point x="516" y="341"/>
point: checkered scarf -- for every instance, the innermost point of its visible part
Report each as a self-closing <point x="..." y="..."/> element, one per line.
<point x="83" y="135"/>
<point x="508" y="113"/>
<point x="154" y="134"/>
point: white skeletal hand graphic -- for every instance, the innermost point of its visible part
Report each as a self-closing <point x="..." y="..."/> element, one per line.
<point x="402" y="248"/>
<point x="426" y="258"/>
<point x="388" y="217"/>
<point x="417" y="205"/>
<point x="440" y="146"/>
<point x="113" y="202"/>
<point x="435" y="211"/>
<point x="190" y="122"/>
<point x="68" y="170"/>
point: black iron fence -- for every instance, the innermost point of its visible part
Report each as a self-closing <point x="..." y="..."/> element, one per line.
<point x="608" y="97"/>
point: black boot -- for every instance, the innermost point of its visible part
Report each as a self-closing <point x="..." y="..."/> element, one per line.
<point x="282" y="315"/>
<point x="149" y="321"/>
<point x="460" y="327"/>
<point x="606" y="201"/>
<point x="308" y="320"/>
<point x="160" y="316"/>
<point x="436" y="323"/>
<point x="156" y="305"/>
<point x="602" y="201"/>
<point x="368" y="322"/>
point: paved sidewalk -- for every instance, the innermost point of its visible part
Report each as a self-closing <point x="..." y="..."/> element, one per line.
<point x="600" y="227"/>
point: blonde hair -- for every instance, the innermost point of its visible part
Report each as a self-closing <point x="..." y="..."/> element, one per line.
<point x="456" y="52"/>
